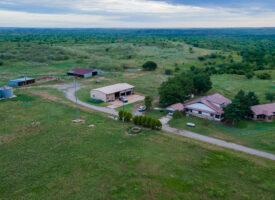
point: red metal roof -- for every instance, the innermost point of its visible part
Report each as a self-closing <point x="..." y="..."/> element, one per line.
<point x="82" y="71"/>
<point x="264" y="109"/>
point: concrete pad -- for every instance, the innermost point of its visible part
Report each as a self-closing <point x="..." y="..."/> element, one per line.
<point x="131" y="99"/>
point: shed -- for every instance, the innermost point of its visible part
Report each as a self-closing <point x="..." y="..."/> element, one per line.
<point x="22" y="81"/>
<point x="84" y="72"/>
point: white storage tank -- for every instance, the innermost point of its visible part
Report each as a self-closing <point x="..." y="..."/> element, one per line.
<point x="6" y="92"/>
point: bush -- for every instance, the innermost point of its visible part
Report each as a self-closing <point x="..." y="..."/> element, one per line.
<point x="148" y="122"/>
<point x="168" y="72"/>
<point x="149" y="66"/>
<point x="249" y="75"/>
<point x="95" y="101"/>
<point x="264" y="76"/>
<point x="127" y="116"/>
<point x="177" y="114"/>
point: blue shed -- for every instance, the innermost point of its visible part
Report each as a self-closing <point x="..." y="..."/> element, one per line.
<point x="6" y="92"/>
<point x="21" y="81"/>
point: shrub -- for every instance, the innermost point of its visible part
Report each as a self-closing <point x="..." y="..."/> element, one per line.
<point x="177" y="69"/>
<point x="249" y="75"/>
<point x="135" y="120"/>
<point x="168" y="72"/>
<point x="149" y="66"/>
<point x="147" y="121"/>
<point x="127" y="116"/>
<point x="95" y="101"/>
<point x="264" y="76"/>
<point x="177" y="114"/>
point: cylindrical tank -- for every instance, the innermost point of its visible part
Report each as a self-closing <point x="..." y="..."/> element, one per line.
<point x="6" y="92"/>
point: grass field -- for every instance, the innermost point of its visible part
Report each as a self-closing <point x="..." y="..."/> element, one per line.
<point x="229" y="85"/>
<point x="43" y="155"/>
<point x="259" y="135"/>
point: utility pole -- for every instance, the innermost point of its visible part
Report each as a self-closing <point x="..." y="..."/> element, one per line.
<point x="75" y="99"/>
<point x="123" y="111"/>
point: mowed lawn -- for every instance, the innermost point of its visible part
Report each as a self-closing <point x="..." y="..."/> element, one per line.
<point x="43" y="155"/>
<point x="259" y="135"/>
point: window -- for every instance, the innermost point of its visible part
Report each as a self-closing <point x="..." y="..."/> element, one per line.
<point x="217" y="116"/>
<point x="200" y="112"/>
<point x="212" y="115"/>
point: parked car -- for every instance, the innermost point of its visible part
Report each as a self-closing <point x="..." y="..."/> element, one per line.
<point x="171" y="113"/>
<point x="123" y="99"/>
<point x="142" y="108"/>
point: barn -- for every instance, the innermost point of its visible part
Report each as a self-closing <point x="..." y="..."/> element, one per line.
<point x="112" y="92"/>
<point x="84" y="72"/>
<point x="21" y="81"/>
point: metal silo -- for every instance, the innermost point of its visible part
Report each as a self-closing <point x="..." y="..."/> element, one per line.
<point x="6" y="92"/>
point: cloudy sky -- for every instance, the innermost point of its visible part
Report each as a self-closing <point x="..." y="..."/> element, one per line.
<point x="137" y="13"/>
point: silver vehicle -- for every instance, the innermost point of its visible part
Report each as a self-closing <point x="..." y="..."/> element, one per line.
<point x="142" y="108"/>
<point x="123" y="99"/>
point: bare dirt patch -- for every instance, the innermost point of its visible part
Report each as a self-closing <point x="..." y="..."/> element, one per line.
<point x="133" y="75"/>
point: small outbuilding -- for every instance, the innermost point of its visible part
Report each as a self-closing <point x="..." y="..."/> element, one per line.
<point x="112" y="92"/>
<point x="21" y="81"/>
<point x="6" y="92"/>
<point x="84" y="72"/>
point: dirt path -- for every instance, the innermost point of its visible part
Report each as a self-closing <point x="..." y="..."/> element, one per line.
<point x="214" y="141"/>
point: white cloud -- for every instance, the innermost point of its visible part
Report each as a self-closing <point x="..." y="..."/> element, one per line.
<point x="128" y="14"/>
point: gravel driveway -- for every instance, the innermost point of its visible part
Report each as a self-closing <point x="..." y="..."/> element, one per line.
<point x="214" y="141"/>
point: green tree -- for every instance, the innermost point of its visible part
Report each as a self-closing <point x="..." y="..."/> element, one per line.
<point x="233" y="112"/>
<point x="252" y="98"/>
<point x="149" y="66"/>
<point x="270" y="96"/>
<point x="177" y="114"/>
<point x="240" y="106"/>
<point x="148" y="102"/>
<point x="202" y="83"/>
<point x="175" y="89"/>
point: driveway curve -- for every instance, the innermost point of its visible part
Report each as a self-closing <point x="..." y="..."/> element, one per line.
<point x="70" y="94"/>
<point x="214" y="141"/>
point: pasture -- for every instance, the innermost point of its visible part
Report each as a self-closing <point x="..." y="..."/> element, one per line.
<point x="43" y="155"/>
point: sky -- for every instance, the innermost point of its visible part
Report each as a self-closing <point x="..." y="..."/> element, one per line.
<point x="137" y="13"/>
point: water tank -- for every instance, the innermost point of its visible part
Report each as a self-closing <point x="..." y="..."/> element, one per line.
<point x="6" y="92"/>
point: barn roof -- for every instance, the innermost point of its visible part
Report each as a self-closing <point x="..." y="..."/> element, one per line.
<point x="82" y="71"/>
<point x="22" y="79"/>
<point x="114" y="88"/>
